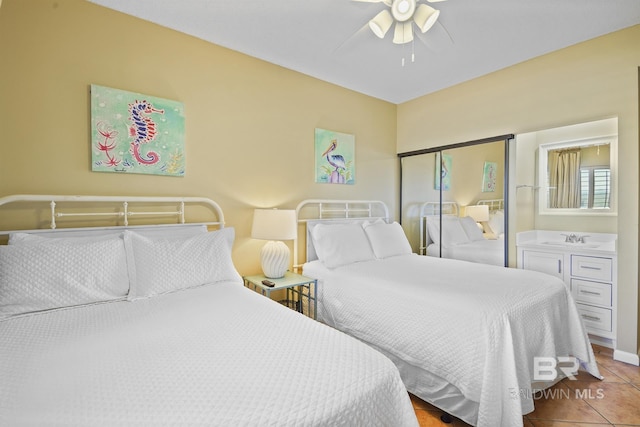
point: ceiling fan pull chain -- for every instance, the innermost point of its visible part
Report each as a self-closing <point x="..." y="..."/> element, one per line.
<point x="413" y="51"/>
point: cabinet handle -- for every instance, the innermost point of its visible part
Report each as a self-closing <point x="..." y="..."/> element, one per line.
<point x="590" y="292"/>
<point x="586" y="267"/>
<point x="593" y="318"/>
<point x="559" y="266"/>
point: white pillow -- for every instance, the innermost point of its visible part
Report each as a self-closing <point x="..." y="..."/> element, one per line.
<point x="387" y="239"/>
<point x="496" y="223"/>
<point x="161" y="265"/>
<point x="452" y="231"/>
<point x="30" y="239"/>
<point x="48" y="275"/>
<point x="474" y="233"/>
<point x="341" y="244"/>
<point x="162" y="231"/>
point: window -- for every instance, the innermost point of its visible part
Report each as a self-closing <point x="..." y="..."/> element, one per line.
<point x="595" y="187"/>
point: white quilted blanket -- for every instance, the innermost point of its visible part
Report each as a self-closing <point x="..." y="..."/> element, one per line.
<point x="477" y="326"/>
<point x="218" y="355"/>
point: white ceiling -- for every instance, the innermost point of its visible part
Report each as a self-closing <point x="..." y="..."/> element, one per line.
<point x="330" y="39"/>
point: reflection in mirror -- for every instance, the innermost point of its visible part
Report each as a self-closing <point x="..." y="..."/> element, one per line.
<point x="453" y="202"/>
<point x="578" y="176"/>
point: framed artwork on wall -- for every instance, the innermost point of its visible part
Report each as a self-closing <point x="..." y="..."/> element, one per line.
<point x="444" y="163"/>
<point x="334" y="157"/>
<point x="489" y="174"/>
<point x="135" y="133"/>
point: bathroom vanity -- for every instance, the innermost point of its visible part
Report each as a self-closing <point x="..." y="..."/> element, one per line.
<point x="587" y="264"/>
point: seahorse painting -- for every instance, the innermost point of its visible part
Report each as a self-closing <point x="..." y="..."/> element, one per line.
<point x="136" y="133"/>
<point x="143" y="130"/>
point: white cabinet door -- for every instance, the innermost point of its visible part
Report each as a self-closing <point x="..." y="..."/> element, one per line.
<point x="545" y="262"/>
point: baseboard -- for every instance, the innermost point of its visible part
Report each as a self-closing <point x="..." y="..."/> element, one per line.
<point x="626" y="357"/>
<point x="604" y="342"/>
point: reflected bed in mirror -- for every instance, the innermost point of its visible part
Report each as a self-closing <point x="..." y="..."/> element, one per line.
<point x="577" y="177"/>
<point x="464" y="236"/>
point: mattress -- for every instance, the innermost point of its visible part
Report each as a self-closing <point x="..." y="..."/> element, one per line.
<point x="464" y="335"/>
<point x="216" y="355"/>
<point x="482" y="251"/>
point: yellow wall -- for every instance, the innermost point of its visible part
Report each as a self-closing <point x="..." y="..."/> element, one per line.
<point x="249" y="124"/>
<point x="593" y="80"/>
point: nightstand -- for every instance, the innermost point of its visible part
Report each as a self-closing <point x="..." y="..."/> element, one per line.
<point x="300" y="291"/>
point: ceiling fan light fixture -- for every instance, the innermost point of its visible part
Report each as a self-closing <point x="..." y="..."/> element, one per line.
<point x="381" y="23"/>
<point x="403" y="10"/>
<point x="403" y="33"/>
<point x="425" y="17"/>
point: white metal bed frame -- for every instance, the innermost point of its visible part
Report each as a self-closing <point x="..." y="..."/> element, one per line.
<point x="431" y="209"/>
<point x="320" y="210"/>
<point x="128" y="206"/>
<point x="494" y="204"/>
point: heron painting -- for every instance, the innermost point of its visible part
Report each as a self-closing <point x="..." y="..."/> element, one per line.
<point x="335" y="157"/>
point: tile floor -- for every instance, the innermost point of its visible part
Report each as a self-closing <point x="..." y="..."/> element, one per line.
<point x="614" y="401"/>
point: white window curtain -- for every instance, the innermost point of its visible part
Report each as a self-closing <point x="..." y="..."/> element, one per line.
<point x="564" y="178"/>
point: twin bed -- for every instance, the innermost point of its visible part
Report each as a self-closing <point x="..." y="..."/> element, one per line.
<point x="152" y="326"/>
<point x="464" y="336"/>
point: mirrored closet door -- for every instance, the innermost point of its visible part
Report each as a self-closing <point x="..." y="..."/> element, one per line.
<point x="453" y="200"/>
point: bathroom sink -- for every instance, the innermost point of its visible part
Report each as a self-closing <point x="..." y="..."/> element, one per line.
<point x="572" y="245"/>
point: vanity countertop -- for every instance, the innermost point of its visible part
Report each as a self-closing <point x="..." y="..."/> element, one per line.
<point x="593" y="243"/>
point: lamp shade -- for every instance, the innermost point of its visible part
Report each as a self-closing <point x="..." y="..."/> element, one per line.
<point x="425" y="17"/>
<point x="479" y="213"/>
<point x="403" y="33"/>
<point x="381" y="23"/>
<point x="274" y="224"/>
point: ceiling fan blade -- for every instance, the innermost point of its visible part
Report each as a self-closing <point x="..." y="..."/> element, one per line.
<point x="353" y="41"/>
<point x="387" y="2"/>
<point x="437" y="39"/>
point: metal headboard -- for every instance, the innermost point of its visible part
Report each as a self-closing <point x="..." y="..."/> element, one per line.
<point x="433" y="209"/>
<point x="331" y="210"/>
<point x="122" y="209"/>
<point x="494" y="204"/>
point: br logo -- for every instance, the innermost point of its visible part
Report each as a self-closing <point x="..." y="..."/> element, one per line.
<point x="546" y="368"/>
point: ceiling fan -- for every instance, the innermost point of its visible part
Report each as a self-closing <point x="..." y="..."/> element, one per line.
<point x="404" y="13"/>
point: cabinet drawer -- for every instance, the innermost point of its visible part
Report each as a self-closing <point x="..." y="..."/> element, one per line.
<point x="595" y="318"/>
<point x="591" y="292"/>
<point x="591" y="267"/>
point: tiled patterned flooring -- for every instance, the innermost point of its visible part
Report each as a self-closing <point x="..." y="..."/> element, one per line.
<point x="612" y="401"/>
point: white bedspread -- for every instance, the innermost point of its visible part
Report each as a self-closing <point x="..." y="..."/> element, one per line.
<point x="215" y="355"/>
<point x="482" y="251"/>
<point x="477" y="326"/>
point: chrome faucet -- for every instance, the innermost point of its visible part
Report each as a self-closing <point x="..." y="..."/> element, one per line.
<point x="574" y="238"/>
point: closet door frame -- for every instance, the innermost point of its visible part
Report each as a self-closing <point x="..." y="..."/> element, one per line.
<point x="508" y="138"/>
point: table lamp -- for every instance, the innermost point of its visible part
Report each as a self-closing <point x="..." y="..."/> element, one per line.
<point x="274" y="225"/>
<point x="479" y="213"/>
